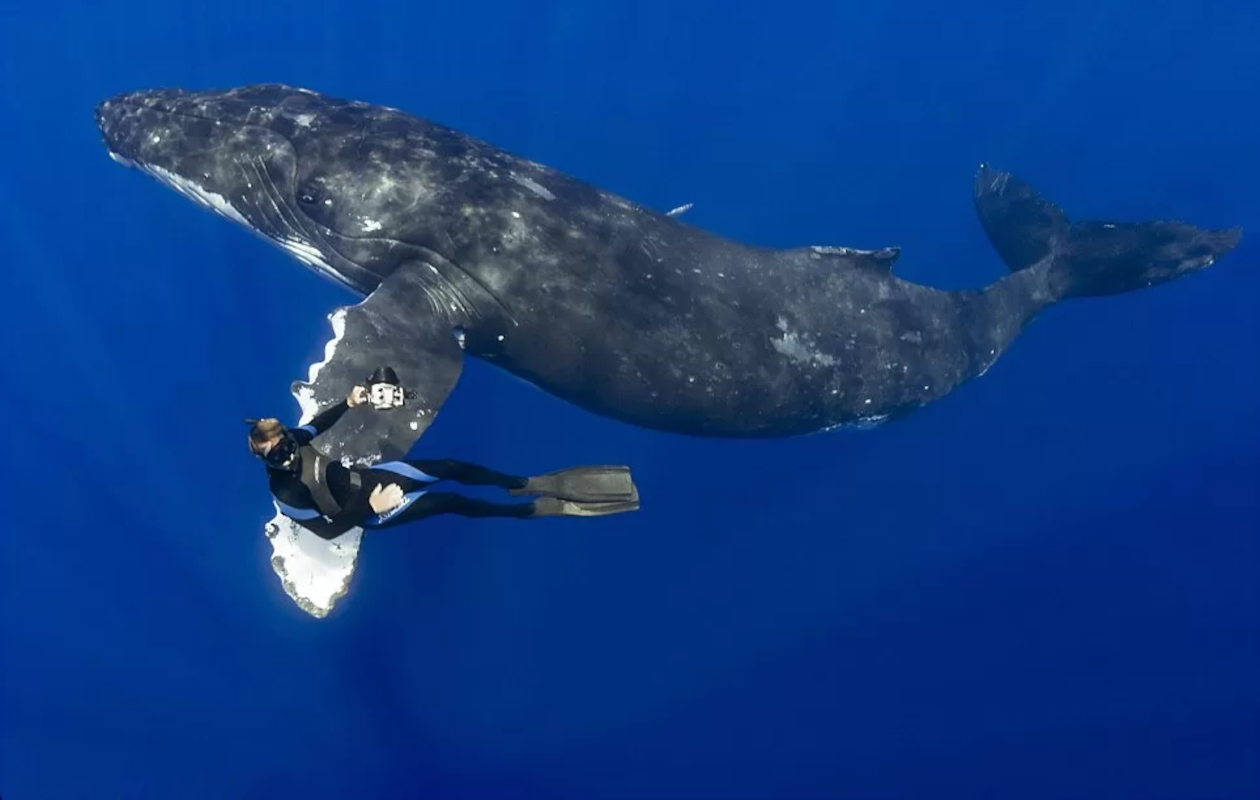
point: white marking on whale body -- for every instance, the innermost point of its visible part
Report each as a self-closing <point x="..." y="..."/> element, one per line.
<point x="860" y="424"/>
<point x="314" y="572"/>
<point x="534" y="186"/>
<point x="212" y="200"/>
<point x="311" y="256"/>
<point x="303" y="251"/>
<point x="989" y="363"/>
<point x="797" y="349"/>
<point x="371" y="225"/>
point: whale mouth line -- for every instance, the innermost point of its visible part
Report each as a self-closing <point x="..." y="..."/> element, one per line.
<point x="189" y="189"/>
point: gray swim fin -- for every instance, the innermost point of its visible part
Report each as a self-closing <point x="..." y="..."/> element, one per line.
<point x="599" y="484"/>
<point x="556" y="507"/>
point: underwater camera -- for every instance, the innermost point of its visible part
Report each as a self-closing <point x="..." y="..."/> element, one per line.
<point x="384" y="390"/>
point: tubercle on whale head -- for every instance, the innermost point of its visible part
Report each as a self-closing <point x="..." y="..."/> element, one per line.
<point x="239" y="153"/>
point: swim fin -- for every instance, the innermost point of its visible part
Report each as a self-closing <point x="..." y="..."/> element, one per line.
<point x="556" y="507"/>
<point x="600" y="484"/>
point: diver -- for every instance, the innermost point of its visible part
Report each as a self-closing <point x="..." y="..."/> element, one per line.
<point x="327" y="498"/>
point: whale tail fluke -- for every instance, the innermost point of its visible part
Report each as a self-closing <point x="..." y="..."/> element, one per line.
<point x="1088" y="259"/>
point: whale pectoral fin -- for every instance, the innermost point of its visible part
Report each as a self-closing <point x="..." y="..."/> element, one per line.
<point x="395" y="326"/>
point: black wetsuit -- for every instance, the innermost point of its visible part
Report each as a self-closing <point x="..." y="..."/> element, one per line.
<point x="412" y="475"/>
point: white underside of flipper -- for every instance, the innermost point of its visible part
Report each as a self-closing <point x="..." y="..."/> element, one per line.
<point x="315" y="572"/>
<point x="390" y="327"/>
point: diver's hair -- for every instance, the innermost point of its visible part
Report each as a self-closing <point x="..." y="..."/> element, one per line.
<point x="263" y="430"/>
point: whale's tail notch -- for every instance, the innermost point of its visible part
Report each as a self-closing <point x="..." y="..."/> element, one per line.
<point x="1088" y="259"/>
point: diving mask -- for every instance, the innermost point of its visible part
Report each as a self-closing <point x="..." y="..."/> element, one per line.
<point x="283" y="454"/>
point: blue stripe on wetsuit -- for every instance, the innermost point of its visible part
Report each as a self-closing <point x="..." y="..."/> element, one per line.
<point x="309" y="429"/>
<point x="380" y="519"/>
<point x="296" y="513"/>
<point x="396" y="467"/>
<point x="406" y="470"/>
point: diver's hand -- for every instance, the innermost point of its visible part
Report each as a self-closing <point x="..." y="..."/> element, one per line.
<point x="358" y="394"/>
<point x="384" y="498"/>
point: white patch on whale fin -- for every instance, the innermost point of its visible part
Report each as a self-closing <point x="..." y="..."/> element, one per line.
<point x="314" y="572"/>
<point x="304" y="395"/>
<point x="680" y="210"/>
<point x="381" y="330"/>
<point x="881" y="259"/>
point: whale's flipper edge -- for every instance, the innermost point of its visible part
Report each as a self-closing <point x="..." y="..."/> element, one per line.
<point x="394" y="326"/>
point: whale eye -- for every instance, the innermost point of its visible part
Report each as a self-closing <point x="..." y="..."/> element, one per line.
<point x="309" y="194"/>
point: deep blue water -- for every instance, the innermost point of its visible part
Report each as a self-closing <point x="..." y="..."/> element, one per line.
<point x="1044" y="586"/>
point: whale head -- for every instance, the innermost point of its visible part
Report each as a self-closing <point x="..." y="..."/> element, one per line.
<point x="283" y="162"/>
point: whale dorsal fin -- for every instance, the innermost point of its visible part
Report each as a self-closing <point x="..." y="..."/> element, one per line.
<point x="881" y="259"/>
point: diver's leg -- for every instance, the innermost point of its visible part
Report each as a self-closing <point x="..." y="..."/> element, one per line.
<point x="422" y="505"/>
<point x="431" y="504"/>
<point x="450" y="469"/>
<point x="591" y="484"/>
<point x="381" y="476"/>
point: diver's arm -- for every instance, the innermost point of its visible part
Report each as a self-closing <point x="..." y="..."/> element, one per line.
<point x="323" y="420"/>
<point x="327" y="418"/>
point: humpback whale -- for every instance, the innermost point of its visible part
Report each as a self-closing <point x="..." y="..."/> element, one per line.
<point x="458" y="248"/>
